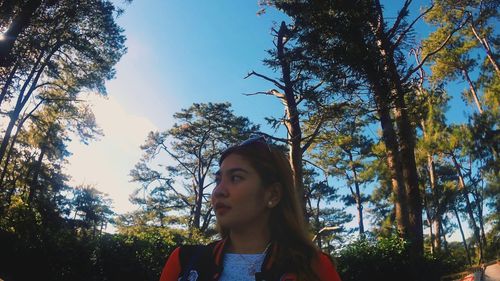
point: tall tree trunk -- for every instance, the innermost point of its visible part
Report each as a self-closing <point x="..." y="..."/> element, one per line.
<point x="393" y="157"/>
<point x="14" y="140"/>
<point x="197" y="207"/>
<point x="481" y="226"/>
<point x="36" y="172"/>
<point x="318" y="224"/>
<point x="470" y="212"/>
<point x="8" y="82"/>
<point x="10" y="193"/>
<point x="22" y="99"/>
<point x="292" y="122"/>
<point x="385" y="70"/>
<point x="472" y="90"/>
<point x="464" y="241"/>
<point x="443" y="236"/>
<point x="7" y="159"/>
<point x="407" y="149"/>
<point x="486" y="46"/>
<point x="8" y="132"/>
<point x="478" y="199"/>
<point x="437" y="236"/>
<point x="357" y="197"/>
<point x="429" y="221"/>
<point x="436" y="220"/>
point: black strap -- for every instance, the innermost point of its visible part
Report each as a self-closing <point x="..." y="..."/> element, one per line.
<point x="193" y="253"/>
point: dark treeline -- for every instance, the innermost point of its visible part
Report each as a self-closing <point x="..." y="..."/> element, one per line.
<point x="341" y="70"/>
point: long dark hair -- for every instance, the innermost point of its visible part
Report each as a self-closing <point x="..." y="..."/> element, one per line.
<point x="287" y="224"/>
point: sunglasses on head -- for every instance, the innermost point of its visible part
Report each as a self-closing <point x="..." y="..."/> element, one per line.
<point x="255" y="139"/>
<point x="252" y="140"/>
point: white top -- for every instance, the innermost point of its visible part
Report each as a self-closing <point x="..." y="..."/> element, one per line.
<point x="241" y="267"/>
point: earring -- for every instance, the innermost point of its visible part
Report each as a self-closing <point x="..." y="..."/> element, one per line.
<point x="270" y="203"/>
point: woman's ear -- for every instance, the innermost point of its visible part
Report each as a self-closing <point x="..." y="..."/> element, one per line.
<point x="273" y="195"/>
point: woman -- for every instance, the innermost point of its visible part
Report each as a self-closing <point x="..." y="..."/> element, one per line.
<point x="261" y="223"/>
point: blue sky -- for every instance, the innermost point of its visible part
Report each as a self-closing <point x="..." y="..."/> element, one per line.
<point x="179" y="52"/>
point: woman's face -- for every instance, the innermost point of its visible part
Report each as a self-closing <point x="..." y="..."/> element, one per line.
<point x="239" y="198"/>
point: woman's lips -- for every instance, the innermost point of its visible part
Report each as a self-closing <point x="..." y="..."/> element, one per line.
<point x="221" y="209"/>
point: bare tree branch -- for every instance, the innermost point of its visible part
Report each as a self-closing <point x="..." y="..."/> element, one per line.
<point x="165" y="148"/>
<point x="272" y="137"/>
<point x="312" y="137"/>
<point x="402" y="13"/>
<point x="403" y="34"/>
<point x="443" y="44"/>
<point x="180" y="195"/>
<point x="268" y="93"/>
<point x="275" y="82"/>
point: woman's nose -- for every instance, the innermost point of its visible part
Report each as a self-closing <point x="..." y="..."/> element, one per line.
<point x="219" y="190"/>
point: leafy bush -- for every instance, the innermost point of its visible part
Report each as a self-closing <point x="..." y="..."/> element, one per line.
<point x="388" y="259"/>
<point x="62" y="256"/>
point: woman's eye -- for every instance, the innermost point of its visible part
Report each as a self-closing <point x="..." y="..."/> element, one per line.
<point x="236" y="178"/>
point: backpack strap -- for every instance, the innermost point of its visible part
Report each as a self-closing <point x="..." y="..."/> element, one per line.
<point x="201" y="261"/>
<point x="189" y="257"/>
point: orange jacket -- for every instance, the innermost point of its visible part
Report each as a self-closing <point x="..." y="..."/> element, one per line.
<point x="205" y="263"/>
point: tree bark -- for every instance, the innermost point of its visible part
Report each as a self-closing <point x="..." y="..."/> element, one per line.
<point x="7" y="159"/>
<point x="429" y="221"/>
<point x="437" y="236"/>
<point x="292" y="121"/>
<point x="464" y="241"/>
<point x="357" y="197"/>
<point x="436" y="220"/>
<point x="12" y="143"/>
<point x="443" y="236"/>
<point x="21" y="101"/>
<point x="36" y="172"/>
<point x="393" y="157"/>
<point x="407" y="150"/>
<point x="8" y="82"/>
<point x="472" y="90"/>
<point x="402" y="143"/>
<point x="20" y="22"/>
<point x="487" y="49"/>
<point x="479" y="201"/>
<point x="465" y="193"/>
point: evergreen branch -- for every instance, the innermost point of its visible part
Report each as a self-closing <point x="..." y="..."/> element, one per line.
<point x="402" y="14"/>
<point x="443" y="44"/>
<point x="178" y="160"/>
<point x="316" y="166"/>
<point x="403" y="34"/>
<point x="182" y="196"/>
<point x="312" y="137"/>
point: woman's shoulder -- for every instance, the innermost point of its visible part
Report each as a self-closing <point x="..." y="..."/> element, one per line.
<point x="325" y="268"/>
<point x="183" y="257"/>
<point x="188" y="252"/>
<point x="324" y="257"/>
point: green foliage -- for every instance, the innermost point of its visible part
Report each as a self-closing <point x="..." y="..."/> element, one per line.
<point x="176" y="194"/>
<point x="60" y="255"/>
<point x="388" y="259"/>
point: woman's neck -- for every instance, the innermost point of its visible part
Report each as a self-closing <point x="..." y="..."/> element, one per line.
<point x="248" y="242"/>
